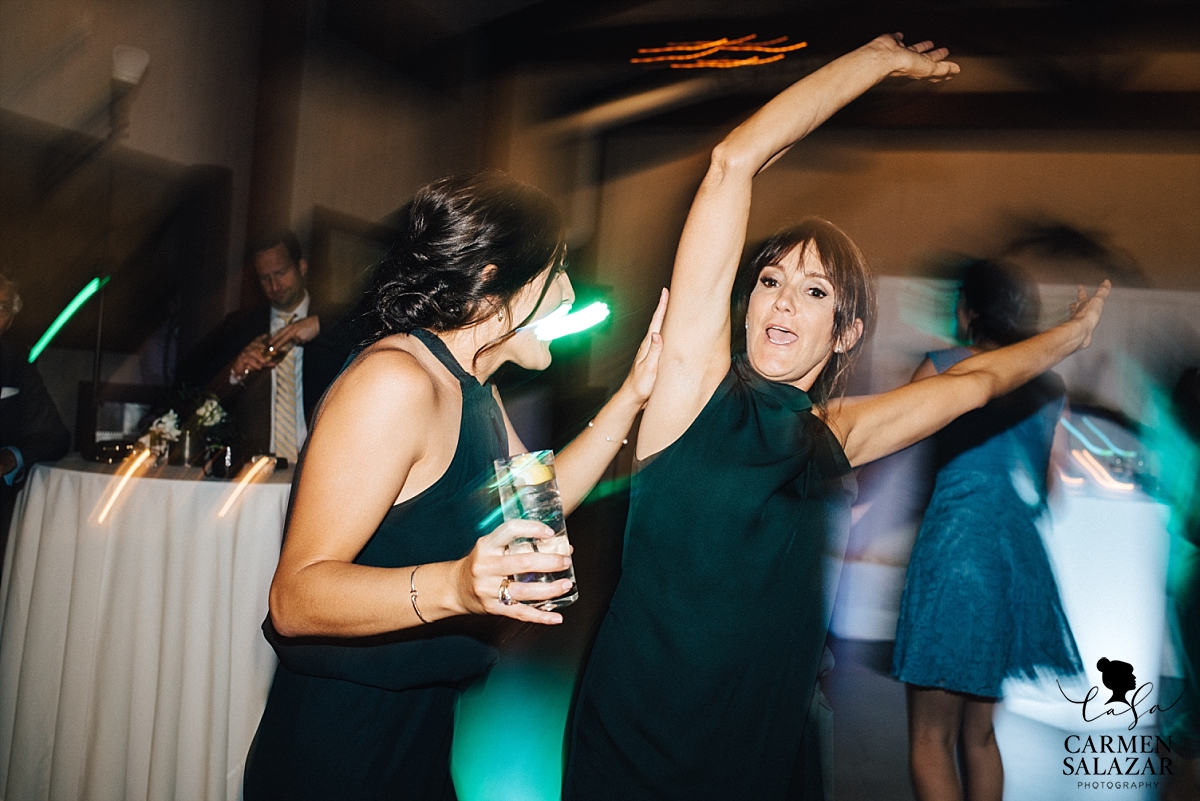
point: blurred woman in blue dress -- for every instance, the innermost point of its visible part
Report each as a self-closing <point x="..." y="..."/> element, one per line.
<point x="980" y="602"/>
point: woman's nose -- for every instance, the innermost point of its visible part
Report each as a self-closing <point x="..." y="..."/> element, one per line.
<point x="568" y="291"/>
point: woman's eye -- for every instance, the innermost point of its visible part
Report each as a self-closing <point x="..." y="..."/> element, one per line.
<point x="817" y="292"/>
<point x="770" y="283"/>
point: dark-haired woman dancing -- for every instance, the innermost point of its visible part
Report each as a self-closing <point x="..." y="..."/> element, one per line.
<point x="980" y="601"/>
<point x="701" y="679"/>
<point x="383" y="563"/>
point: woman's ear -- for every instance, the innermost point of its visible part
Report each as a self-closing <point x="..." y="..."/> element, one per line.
<point x="485" y="277"/>
<point x="850" y="338"/>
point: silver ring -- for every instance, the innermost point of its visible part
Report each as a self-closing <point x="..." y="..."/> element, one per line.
<point x="505" y="596"/>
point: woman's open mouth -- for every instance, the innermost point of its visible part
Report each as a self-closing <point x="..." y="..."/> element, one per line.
<point x="780" y="336"/>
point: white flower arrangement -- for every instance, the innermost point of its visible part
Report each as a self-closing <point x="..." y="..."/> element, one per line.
<point x="210" y="413"/>
<point x="166" y="426"/>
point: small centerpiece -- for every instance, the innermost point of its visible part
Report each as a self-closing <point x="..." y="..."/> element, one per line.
<point x="191" y="431"/>
<point x="162" y="432"/>
<point x="208" y="431"/>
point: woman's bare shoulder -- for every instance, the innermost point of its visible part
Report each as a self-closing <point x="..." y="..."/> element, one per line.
<point x="391" y="381"/>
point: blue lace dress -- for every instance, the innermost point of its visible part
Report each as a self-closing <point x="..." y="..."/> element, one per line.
<point x="980" y="601"/>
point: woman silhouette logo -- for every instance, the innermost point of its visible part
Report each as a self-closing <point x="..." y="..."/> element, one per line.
<point x="1118" y="677"/>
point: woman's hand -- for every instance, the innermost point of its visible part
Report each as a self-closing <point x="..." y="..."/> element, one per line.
<point x="1086" y="311"/>
<point x="645" y="365"/>
<point x="919" y="61"/>
<point x="481" y="572"/>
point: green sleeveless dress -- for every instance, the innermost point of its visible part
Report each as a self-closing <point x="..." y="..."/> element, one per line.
<point x="700" y="681"/>
<point x="372" y="717"/>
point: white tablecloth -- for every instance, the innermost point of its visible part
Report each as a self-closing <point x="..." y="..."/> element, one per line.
<point x="131" y="661"/>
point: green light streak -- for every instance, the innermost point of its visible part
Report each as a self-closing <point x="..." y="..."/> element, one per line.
<point x="508" y="731"/>
<point x="66" y="314"/>
<point x="554" y="326"/>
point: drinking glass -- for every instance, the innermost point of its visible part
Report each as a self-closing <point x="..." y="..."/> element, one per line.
<point x="529" y="491"/>
<point x="274" y="355"/>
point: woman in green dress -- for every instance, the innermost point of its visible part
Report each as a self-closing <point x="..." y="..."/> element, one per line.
<point x="703" y="674"/>
<point x="392" y="559"/>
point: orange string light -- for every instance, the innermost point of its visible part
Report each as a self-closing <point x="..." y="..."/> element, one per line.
<point x="693" y="55"/>
<point x="683" y="47"/>
<point x="724" y="63"/>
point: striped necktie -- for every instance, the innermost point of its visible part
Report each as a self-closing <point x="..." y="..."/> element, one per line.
<point x="285" y="405"/>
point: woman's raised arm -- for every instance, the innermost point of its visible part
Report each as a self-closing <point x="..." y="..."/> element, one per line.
<point x="696" y="331"/>
<point x="871" y="427"/>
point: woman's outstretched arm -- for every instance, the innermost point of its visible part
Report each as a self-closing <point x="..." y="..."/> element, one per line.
<point x="872" y="427"/>
<point x="696" y="332"/>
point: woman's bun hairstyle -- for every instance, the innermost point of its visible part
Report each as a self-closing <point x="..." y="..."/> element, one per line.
<point x="461" y="242"/>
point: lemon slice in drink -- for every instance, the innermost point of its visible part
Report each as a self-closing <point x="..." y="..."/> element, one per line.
<point x="529" y="472"/>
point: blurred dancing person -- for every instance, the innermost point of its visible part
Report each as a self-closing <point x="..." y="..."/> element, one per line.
<point x="383" y="562"/>
<point x="1184" y="729"/>
<point x="702" y="676"/>
<point x="980" y="602"/>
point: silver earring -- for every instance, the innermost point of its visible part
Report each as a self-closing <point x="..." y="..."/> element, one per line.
<point x="837" y="349"/>
<point x="500" y="316"/>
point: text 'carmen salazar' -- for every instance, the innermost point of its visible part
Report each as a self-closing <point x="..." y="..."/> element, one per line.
<point x="1114" y="755"/>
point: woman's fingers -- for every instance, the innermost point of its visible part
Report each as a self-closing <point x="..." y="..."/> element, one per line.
<point x="925" y="60"/>
<point x="528" y="612"/>
<point x="655" y="327"/>
<point x="533" y="591"/>
<point x="515" y="563"/>
<point x="660" y="312"/>
<point x="510" y="530"/>
<point x="645" y="363"/>
<point x="1087" y="310"/>
<point x="1094" y="301"/>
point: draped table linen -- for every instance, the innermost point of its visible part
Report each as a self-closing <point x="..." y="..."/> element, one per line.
<point x="131" y="661"/>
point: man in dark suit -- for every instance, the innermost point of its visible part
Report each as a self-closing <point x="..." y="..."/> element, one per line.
<point x="271" y="364"/>
<point x="30" y="428"/>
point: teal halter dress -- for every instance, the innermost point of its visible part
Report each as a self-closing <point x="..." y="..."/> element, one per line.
<point x="700" y="681"/>
<point x="372" y="717"/>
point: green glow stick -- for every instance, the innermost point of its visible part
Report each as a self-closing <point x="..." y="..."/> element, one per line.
<point x="66" y="314"/>
<point x="555" y="326"/>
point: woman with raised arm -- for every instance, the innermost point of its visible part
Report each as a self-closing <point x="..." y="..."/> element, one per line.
<point x="376" y="608"/>
<point x="700" y="682"/>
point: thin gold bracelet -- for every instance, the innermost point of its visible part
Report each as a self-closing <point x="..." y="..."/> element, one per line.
<point x="592" y="424"/>
<point x="412" y="593"/>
